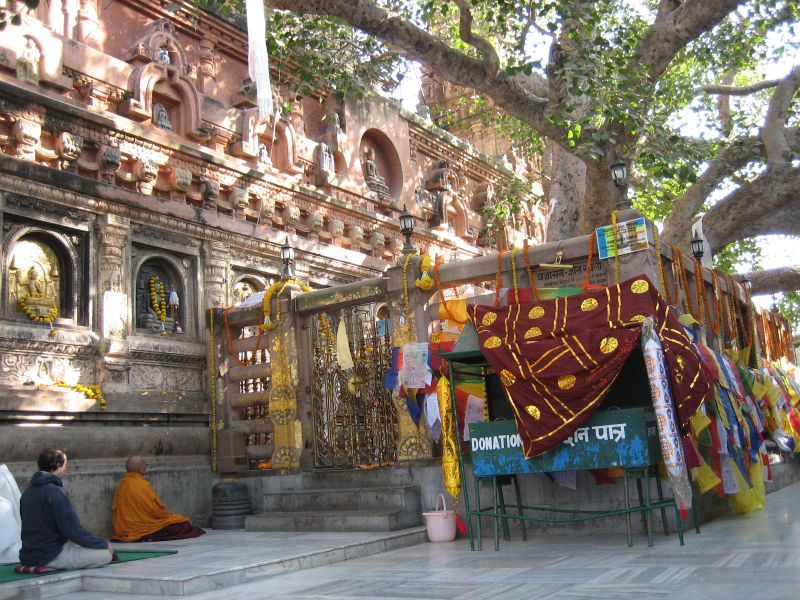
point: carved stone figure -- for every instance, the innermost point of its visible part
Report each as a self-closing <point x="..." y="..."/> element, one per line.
<point x="291" y="215"/>
<point x="110" y="162"/>
<point x="209" y="190"/>
<point x="316" y="221"/>
<point x="268" y="205"/>
<point x="27" y="135"/>
<point x="241" y="292"/>
<point x="240" y="198"/>
<point x="377" y="239"/>
<point x="337" y="228"/>
<point x="334" y="135"/>
<point x="162" y="56"/>
<point x="69" y="147"/>
<point x="373" y="179"/>
<point x="326" y="166"/>
<point x="161" y="117"/>
<point x="264" y="160"/>
<point x="181" y="179"/>
<point x="28" y="62"/>
<point x="147" y="172"/>
<point x="356" y="234"/>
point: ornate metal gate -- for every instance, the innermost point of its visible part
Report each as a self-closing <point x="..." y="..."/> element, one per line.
<point x="354" y="417"/>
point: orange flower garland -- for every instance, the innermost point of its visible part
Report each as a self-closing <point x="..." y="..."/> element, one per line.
<point x="158" y="298"/>
<point x="229" y="337"/>
<point x="715" y="319"/>
<point x="531" y="281"/>
<point x="499" y="279"/>
<point x="92" y="392"/>
<point x="514" y="274"/>
<point x="23" y="304"/>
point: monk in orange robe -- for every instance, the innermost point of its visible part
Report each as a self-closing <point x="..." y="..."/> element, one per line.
<point x="138" y="513"/>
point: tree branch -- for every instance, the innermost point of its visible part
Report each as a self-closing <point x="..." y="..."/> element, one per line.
<point x="771" y="281"/>
<point x="674" y="29"/>
<point x="735" y="217"/>
<point x="729" y="90"/>
<point x="416" y="44"/>
<point x="774" y="131"/>
<point x="491" y="62"/>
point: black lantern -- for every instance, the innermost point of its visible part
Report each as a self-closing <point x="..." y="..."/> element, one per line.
<point x="747" y="284"/>
<point x="775" y="309"/>
<point x="287" y="256"/>
<point x="619" y="174"/>
<point x="407" y="228"/>
<point x="698" y="248"/>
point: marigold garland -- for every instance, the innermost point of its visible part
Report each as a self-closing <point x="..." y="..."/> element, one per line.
<point x="92" y="392"/>
<point x="406" y="307"/>
<point x="514" y="274"/>
<point x="714" y="320"/>
<point x="531" y="281"/>
<point x="158" y="298"/>
<point x="700" y="286"/>
<point x="424" y="282"/>
<point x="616" y="246"/>
<point x="671" y="298"/>
<point x="276" y="289"/>
<point x="49" y="318"/>
<point x="684" y="281"/>
<point x="499" y="279"/>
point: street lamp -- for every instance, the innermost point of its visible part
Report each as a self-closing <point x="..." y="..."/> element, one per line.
<point x="407" y="228"/>
<point x="698" y="248"/>
<point x="287" y="256"/>
<point x="619" y="175"/>
<point x="747" y="284"/>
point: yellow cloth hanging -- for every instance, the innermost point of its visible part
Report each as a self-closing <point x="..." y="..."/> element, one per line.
<point x="450" y="468"/>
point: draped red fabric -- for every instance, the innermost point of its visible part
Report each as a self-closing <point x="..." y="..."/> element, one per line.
<point x="557" y="359"/>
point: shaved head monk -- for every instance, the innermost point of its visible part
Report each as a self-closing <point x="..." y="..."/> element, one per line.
<point x="139" y="514"/>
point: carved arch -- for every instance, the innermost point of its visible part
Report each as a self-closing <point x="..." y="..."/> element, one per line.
<point x="170" y="273"/>
<point x="67" y="290"/>
<point x="387" y="159"/>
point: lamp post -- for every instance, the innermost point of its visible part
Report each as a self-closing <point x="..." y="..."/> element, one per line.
<point x="747" y="284"/>
<point x="698" y="247"/>
<point x="407" y="228"/>
<point x="619" y="175"/>
<point x="287" y="256"/>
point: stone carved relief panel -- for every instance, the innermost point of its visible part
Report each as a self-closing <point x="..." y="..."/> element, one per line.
<point x="173" y="379"/>
<point x="18" y="367"/>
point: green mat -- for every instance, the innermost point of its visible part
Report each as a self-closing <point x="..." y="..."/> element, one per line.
<point x="7" y="571"/>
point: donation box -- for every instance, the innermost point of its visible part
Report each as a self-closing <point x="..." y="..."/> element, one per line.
<point x="610" y="438"/>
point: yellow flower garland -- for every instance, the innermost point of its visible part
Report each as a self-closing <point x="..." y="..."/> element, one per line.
<point x="92" y="392"/>
<point x="158" y="298"/>
<point x="425" y="282"/>
<point x="266" y="308"/>
<point x="23" y="304"/>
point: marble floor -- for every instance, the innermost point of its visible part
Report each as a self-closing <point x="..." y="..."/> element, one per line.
<point x="750" y="557"/>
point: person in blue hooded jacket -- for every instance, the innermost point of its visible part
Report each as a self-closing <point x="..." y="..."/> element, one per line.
<point x="52" y="534"/>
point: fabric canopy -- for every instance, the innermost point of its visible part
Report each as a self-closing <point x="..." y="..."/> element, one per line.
<point x="557" y="359"/>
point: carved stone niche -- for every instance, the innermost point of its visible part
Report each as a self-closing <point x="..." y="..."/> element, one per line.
<point x="29" y="62"/>
<point x="159" y="85"/>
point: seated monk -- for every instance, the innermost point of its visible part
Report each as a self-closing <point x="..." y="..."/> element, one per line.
<point x="138" y="513"/>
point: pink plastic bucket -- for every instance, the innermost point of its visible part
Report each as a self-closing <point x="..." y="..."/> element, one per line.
<point x="441" y="524"/>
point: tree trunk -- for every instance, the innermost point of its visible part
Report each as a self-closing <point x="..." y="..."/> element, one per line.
<point x="567" y="189"/>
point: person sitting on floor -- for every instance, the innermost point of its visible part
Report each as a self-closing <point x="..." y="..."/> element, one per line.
<point x="52" y="535"/>
<point x="138" y="513"/>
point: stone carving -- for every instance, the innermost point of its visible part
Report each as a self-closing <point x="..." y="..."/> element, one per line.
<point x="27" y="135"/>
<point x="424" y="111"/>
<point x="240" y="198"/>
<point x="215" y="270"/>
<point x="356" y="234"/>
<point x="334" y="135"/>
<point x="337" y="228"/>
<point x="113" y="240"/>
<point x="162" y="56"/>
<point x="149" y="377"/>
<point x="326" y="167"/>
<point x="39" y="367"/>
<point x="209" y="190"/>
<point x="267" y="205"/>
<point x="241" y="292"/>
<point x="373" y="179"/>
<point x="88" y="27"/>
<point x="291" y="214"/>
<point x="69" y="147"/>
<point x="264" y="160"/>
<point x="207" y="69"/>
<point x="316" y="221"/>
<point x="147" y="172"/>
<point x="110" y="162"/>
<point x="377" y="239"/>
<point x="28" y="62"/>
<point x="181" y="179"/>
<point x="37" y="283"/>
<point x="161" y="117"/>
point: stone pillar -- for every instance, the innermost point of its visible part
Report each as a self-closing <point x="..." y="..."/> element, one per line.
<point x="207" y="71"/>
<point x="114" y="307"/>
<point x="215" y="272"/>
<point x="409" y="325"/>
<point x="70" y="10"/>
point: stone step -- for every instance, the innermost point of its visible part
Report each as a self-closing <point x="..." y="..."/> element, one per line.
<point x="356" y="478"/>
<point x="363" y="499"/>
<point x="333" y="520"/>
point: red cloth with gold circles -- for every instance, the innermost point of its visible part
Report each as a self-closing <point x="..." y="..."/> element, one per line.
<point x="557" y="359"/>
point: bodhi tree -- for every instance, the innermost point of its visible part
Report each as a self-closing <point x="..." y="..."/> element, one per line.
<point x="672" y="88"/>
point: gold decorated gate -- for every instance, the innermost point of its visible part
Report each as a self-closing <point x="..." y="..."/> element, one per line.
<point x="355" y="421"/>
